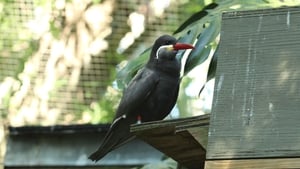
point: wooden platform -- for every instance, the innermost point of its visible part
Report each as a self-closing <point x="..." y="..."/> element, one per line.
<point x="184" y="140"/>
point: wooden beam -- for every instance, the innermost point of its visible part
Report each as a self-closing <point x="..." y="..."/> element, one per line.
<point x="180" y="139"/>
<point x="198" y="133"/>
<point x="271" y="163"/>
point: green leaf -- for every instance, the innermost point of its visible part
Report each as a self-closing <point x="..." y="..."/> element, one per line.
<point x="187" y="33"/>
<point x="203" y="45"/>
<point x="188" y="37"/>
<point x="126" y="73"/>
<point x="55" y="31"/>
<point x="203" y="26"/>
<point x="212" y="67"/>
<point x="195" y="17"/>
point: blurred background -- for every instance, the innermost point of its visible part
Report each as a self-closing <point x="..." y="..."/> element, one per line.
<point x="59" y="59"/>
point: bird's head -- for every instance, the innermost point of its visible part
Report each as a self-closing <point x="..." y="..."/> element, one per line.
<point x="166" y="47"/>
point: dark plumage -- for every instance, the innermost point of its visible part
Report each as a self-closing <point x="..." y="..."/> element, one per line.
<point x="150" y="95"/>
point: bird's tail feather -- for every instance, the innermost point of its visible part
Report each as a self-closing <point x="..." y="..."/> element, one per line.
<point x="97" y="155"/>
<point x="117" y="135"/>
<point x="105" y="149"/>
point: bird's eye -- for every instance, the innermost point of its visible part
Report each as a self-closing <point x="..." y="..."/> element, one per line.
<point x="168" y="42"/>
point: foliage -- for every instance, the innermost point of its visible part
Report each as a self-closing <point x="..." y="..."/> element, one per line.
<point x="62" y="29"/>
<point x="101" y="111"/>
<point x="202" y="30"/>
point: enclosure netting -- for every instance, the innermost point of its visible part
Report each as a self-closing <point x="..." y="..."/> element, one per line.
<point x="58" y="57"/>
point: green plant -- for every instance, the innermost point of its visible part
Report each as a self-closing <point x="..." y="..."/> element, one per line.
<point x="202" y="30"/>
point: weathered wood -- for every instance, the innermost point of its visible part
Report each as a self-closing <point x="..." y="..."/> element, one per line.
<point x="177" y="138"/>
<point x="256" y="102"/>
<point x="198" y="133"/>
<point x="276" y="163"/>
<point x="202" y="120"/>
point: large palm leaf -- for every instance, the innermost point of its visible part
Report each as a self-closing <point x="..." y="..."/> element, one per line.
<point x="201" y="29"/>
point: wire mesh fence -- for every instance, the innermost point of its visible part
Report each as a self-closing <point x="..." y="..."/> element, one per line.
<point x="58" y="57"/>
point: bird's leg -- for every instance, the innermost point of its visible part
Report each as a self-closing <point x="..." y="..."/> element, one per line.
<point x="139" y="119"/>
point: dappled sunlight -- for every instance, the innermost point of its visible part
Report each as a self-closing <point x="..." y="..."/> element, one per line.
<point x="288" y="75"/>
<point x="58" y="66"/>
<point x="40" y="23"/>
<point x="125" y="42"/>
<point x="284" y="73"/>
<point x="158" y="7"/>
<point x="54" y="70"/>
<point x="137" y="21"/>
<point x="67" y="54"/>
<point x="198" y="103"/>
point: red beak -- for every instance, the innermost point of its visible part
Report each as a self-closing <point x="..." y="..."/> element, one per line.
<point x="180" y="46"/>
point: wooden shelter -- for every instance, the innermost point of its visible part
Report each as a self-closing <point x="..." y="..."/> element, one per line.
<point x="255" y="119"/>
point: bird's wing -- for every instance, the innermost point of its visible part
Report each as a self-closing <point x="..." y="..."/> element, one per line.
<point x="137" y="91"/>
<point x="135" y="95"/>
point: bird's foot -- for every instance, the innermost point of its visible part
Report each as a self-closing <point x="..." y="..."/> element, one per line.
<point x="139" y="119"/>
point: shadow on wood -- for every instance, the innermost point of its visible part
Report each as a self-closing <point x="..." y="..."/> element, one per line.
<point x="184" y="140"/>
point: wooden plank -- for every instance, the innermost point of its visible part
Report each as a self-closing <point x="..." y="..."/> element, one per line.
<point x="199" y="133"/>
<point x="202" y="120"/>
<point x="173" y="137"/>
<point x="255" y="110"/>
<point x="275" y="163"/>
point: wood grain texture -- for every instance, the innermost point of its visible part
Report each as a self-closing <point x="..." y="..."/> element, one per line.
<point x="256" y="105"/>
<point x="280" y="163"/>
<point x="179" y="139"/>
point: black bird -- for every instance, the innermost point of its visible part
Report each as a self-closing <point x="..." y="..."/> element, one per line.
<point x="150" y="95"/>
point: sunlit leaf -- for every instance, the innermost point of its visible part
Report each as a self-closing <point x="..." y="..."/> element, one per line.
<point x="186" y="33"/>
<point x="125" y="74"/>
<point x="203" y="45"/>
<point x="203" y="27"/>
<point x="212" y="68"/>
<point x="187" y="37"/>
<point x="195" y="17"/>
